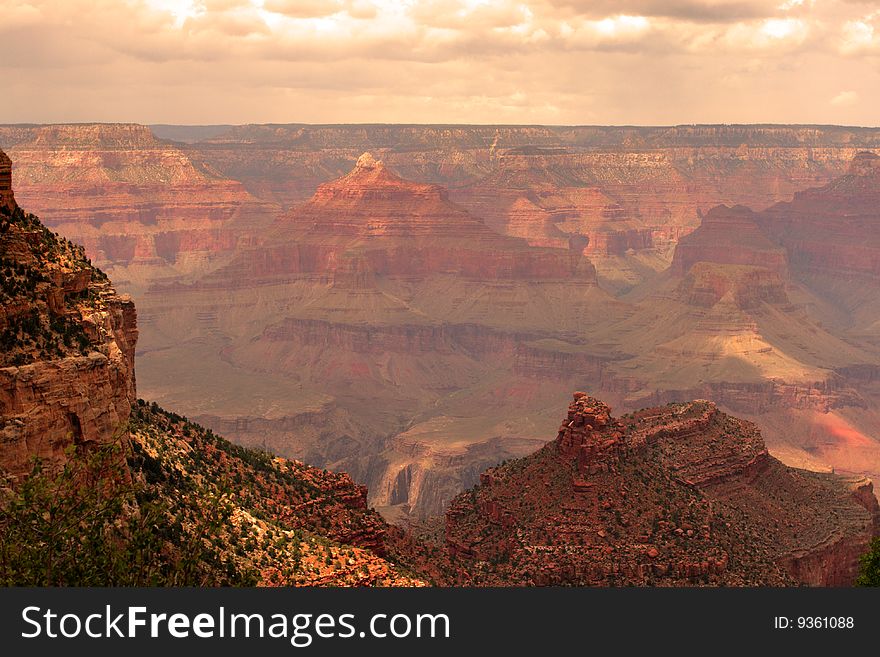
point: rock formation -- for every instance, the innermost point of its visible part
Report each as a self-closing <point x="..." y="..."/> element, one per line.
<point x="289" y="524"/>
<point x="132" y="200"/>
<point x="438" y="342"/>
<point x="765" y="302"/>
<point x="373" y="223"/>
<point x="67" y="362"/>
<point x="352" y="361"/>
<point x="676" y="495"/>
<point x="831" y="230"/>
<point x="623" y="196"/>
<point x="729" y="236"/>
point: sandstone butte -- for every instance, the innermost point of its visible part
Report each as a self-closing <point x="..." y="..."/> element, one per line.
<point x="372" y="223"/>
<point x="679" y="495"/>
<point x="67" y="388"/>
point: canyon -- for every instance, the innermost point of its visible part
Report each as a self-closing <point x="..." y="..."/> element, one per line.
<point x="68" y="403"/>
<point x="679" y="495"/>
<point x="416" y="321"/>
<point x="139" y="206"/>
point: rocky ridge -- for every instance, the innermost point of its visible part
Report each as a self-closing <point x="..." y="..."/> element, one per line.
<point x="676" y="495"/>
<point x="287" y="523"/>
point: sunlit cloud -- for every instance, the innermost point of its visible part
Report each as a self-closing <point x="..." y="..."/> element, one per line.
<point x="861" y="36"/>
<point x="845" y="99"/>
<point x="179" y="9"/>
<point x="782" y="28"/>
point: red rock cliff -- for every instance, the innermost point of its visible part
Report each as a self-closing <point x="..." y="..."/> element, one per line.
<point x="832" y="230"/>
<point x="67" y="366"/>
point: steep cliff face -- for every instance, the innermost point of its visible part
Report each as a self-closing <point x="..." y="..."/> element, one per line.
<point x="832" y="230"/>
<point x="67" y="364"/>
<point x="729" y="259"/>
<point x="681" y="494"/>
<point x="288" y="162"/>
<point x="729" y="236"/>
<point x="7" y="197"/>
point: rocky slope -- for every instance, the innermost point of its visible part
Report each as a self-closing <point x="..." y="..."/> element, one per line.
<point x="669" y="496"/>
<point x="285" y="523"/>
<point x="7" y="196"/>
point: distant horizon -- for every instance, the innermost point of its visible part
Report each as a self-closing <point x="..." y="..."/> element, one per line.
<point x="847" y="126"/>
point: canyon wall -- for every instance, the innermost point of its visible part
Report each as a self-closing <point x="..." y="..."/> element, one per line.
<point x="67" y="377"/>
<point x="131" y="199"/>
<point x="7" y="197"/>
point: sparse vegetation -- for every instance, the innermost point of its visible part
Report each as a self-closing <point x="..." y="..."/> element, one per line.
<point x="869" y="566"/>
<point x="90" y="524"/>
<point x="162" y="509"/>
<point x="43" y="316"/>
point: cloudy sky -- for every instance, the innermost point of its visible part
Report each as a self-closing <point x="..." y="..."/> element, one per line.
<point x="441" y="61"/>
